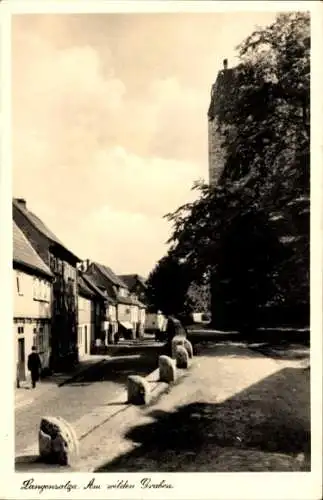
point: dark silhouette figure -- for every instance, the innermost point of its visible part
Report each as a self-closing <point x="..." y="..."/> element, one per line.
<point x="110" y="334"/>
<point x="174" y="327"/>
<point x="34" y="366"/>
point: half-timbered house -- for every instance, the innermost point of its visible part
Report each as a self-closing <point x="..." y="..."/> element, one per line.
<point x="63" y="265"/>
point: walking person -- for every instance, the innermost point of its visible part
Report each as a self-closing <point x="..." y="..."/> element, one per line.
<point x="17" y="376"/>
<point x="34" y="366"/>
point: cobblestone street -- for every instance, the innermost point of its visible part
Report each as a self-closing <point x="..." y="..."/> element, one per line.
<point x="237" y="410"/>
<point x="233" y="404"/>
<point x="158" y="285"/>
<point x="99" y="384"/>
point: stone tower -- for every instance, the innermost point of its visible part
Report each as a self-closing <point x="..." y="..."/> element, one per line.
<point x="215" y="138"/>
<point x="217" y="157"/>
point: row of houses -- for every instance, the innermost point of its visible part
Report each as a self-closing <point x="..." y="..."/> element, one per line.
<point x="67" y="307"/>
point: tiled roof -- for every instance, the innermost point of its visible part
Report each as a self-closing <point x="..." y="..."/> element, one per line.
<point x="90" y="281"/>
<point x="23" y="253"/>
<point x="83" y="289"/>
<point x="91" y="284"/>
<point x="137" y="302"/>
<point x="109" y="274"/>
<point x="40" y="226"/>
<point x="132" y="279"/>
<point x="127" y="300"/>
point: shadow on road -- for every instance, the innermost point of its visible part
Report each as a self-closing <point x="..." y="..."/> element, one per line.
<point x="263" y="428"/>
<point x="132" y="349"/>
<point x="275" y="350"/>
<point x="282" y="350"/>
<point x="118" y="368"/>
<point x="32" y="463"/>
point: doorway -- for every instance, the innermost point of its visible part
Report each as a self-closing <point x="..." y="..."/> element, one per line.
<point x="21" y="359"/>
<point x="85" y="340"/>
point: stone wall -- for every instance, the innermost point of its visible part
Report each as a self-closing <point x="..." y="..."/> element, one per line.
<point x="216" y="152"/>
<point x="223" y="85"/>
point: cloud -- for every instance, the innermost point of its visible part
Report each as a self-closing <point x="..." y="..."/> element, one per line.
<point x="110" y="127"/>
<point x="63" y="103"/>
<point x="150" y="186"/>
<point x="129" y="234"/>
<point x="122" y="200"/>
<point x="184" y="110"/>
<point x="101" y="166"/>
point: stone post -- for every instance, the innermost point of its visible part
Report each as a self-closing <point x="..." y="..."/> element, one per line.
<point x="167" y="369"/>
<point x="188" y="346"/>
<point x="138" y="390"/>
<point x="182" y="358"/>
<point x="58" y="443"/>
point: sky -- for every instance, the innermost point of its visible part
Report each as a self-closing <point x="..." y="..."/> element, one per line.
<point x="109" y="122"/>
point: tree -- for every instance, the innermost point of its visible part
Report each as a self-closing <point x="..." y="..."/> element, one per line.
<point x="171" y="288"/>
<point x="167" y="286"/>
<point x="199" y="297"/>
<point x="251" y="231"/>
<point x="266" y="108"/>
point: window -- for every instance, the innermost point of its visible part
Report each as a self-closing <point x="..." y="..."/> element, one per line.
<point x="53" y="263"/>
<point x="20" y="329"/>
<point x="36" y="289"/>
<point x="70" y="271"/>
<point x="59" y="266"/>
<point x="46" y="291"/>
<point x="19" y="284"/>
<point x="80" y="335"/>
<point x="41" y="290"/>
<point x="41" y="339"/>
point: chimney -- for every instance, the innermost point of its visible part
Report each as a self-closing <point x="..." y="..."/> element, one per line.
<point x="21" y="202"/>
<point x="80" y="266"/>
<point x="225" y="64"/>
<point x="85" y="265"/>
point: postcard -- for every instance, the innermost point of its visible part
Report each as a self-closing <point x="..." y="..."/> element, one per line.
<point x="161" y="180"/>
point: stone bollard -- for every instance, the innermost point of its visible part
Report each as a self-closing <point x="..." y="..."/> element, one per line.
<point x="138" y="390"/>
<point x="58" y="443"/>
<point x="188" y="346"/>
<point x="176" y="341"/>
<point x="167" y="369"/>
<point x="181" y="357"/>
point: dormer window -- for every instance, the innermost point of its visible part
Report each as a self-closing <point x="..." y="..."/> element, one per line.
<point x="123" y="292"/>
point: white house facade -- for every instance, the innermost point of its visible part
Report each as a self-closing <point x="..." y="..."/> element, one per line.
<point x="32" y="299"/>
